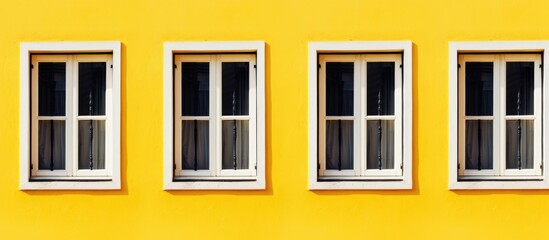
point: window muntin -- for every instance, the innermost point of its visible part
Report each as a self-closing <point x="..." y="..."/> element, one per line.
<point x="501" y="93"/>
<point x="70" y="116"/>
<point x="215" y="116"/>
<point x="359" y="95"/>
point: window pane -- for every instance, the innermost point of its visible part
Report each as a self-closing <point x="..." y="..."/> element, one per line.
<point x="381" y="88"/>
<point x="339" y="88"/>
<point x="51" y="144"/>
<point x="520" y="144"/>
<point x="195" y="89"/>
<point x="91" y="144"/>
<point x="92" y="80"/>
<point x="380" y="148"/>
<point x="196" y="145"/>
<point x="51" y="89"/>
<point x="339" y="144"/>
<point x="478" y="144"/>
<point x="520" y="88"/>
<point x="235" y="84"/>
<point x="235" y="144"/>
<point x="479" y="80"/>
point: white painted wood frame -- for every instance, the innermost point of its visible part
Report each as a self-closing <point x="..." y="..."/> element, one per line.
<point x="71" y="178"/>
<point x="215" y="178"/>
<point x="361" y="53"/>
<point x="500" y="53"/>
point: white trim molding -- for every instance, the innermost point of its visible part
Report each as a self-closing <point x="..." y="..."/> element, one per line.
<point x="109" y="181"/>
<point x="255" y="182"/>
<point x="498" y="49"/>
<point x="388" y="182"/>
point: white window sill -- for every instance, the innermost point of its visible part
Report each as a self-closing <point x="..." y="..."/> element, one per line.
<point x="502" y="185"/>
<point x="215" y="185"/>
<point x="71" y="185"/>
<point x="361" y="185"/>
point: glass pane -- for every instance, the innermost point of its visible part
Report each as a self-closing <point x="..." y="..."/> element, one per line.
<point x="92" y="81"/>
<point x="195" y="150"/>
<point x="51" y="89"/>
<point x="380" y="148"/>
<point x="520" y="88"/>
<point x="519" y="144"/>
<point x="478" y="144"/>
<point x="51" y="144"/>
<point x="195" y="89"/>
<point x="339" y="88"/>
<point x="235" y="84"/>
<point x="381" y="88"/>
<point x="479" y="88"/>
<point x="91" y="144"/>
<point x="339" y="144"/>
<point x="235" y="146"/>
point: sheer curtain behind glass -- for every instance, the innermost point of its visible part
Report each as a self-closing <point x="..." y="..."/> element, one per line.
<point x="235" y="102"/>
<point x="339" y="103"/>
<point x="51" y="103"/>
<point x="380" y="133"/>
<point x="195" y="103"/>
<point x="479" y="82"/>
<point x="92" y="80"/>
<point x="520" y="102"/>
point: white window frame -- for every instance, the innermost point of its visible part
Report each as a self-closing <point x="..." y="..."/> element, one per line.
<point x="360" y="178"/>
<point x="499" y="178"/>
<point x="215" y="178"/>
<point x="72" y="178"/>
<point x="215" y="118"/>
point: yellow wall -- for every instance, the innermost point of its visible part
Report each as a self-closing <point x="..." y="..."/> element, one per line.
<point x="286" y="210"/>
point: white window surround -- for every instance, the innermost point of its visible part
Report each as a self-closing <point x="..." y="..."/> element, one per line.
<point x="456" y="48"/>
<point x="100" y="183"/>
<point x="403" y="47"/>
<point x="171" y="48"/>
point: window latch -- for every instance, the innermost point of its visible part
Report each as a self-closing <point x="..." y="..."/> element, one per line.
<point x="32" y="166"/>
<point x="174" y="66"/>
<point x="111" y="66"/>
<point x="32" y="66"/>
<point x="400" y="65"/>
<point x="318" y="66"/>
<point x="541" y="66"/>
<point x="459" y="66"/>
<point x="458" y="166"/>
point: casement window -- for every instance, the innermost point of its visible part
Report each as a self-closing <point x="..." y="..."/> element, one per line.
<point x="215" y="119"/>
<point x="499" y="117"/>
<point x="74" y="119"/>
<point x="361" y="98"/>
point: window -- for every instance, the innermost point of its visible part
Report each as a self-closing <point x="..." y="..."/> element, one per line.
<point x="216" y="122"/>
<point x="499" y="117"/>
<point x="74" y="119"/>
<point x="362" y="89"/>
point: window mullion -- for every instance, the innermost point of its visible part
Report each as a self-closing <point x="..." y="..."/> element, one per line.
<point x="216" y="63"/>
<point x="360" y="115"/>
<point x="499" y="105"/>
<point x="72" y="110"/>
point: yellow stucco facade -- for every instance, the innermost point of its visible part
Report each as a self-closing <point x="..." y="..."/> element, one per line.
<point x="286" y="209"/>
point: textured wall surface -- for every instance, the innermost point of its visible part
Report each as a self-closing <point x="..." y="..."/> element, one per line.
<point x="286" y="209"/>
